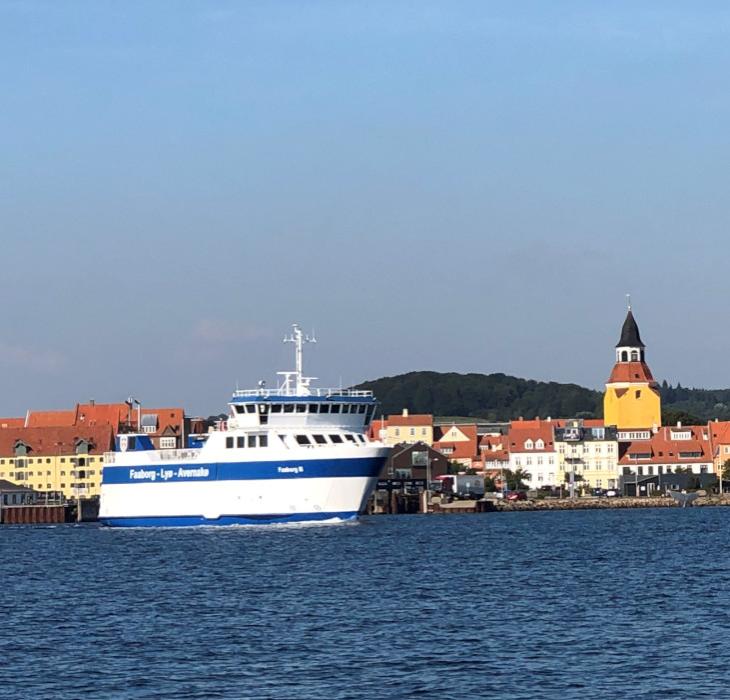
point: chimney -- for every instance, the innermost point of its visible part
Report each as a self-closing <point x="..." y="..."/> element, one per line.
<point x="679" y="423"/>
<point x="405" y="413"/>
<point x="92" y="403"/>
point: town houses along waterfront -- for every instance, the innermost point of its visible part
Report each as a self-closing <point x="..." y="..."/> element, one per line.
<point x="627" y="452"/>
<point x="57" y="456"/>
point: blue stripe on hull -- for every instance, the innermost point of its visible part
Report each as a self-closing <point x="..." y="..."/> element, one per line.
<point x="224" y="520"/>
<point x="242" y="471"/>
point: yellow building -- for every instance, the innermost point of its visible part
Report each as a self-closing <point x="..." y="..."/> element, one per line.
<point x="632" y="398"/>
<point x="56" y="460"/>
<point x="589" y="451"/>
<point x="406" y="428"/>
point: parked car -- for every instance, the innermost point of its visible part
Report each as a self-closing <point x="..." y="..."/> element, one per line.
<point x="612" y="493"/>
<point x="516" y="496"/>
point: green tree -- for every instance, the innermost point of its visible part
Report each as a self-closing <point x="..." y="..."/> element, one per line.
<point x="490" y="485"/>
<point x="515" y="479"/>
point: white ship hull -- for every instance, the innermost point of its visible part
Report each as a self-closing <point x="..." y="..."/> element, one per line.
<point x="199" y="493"/>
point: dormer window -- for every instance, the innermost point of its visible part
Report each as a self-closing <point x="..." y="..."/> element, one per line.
<point x="529" y="444"/>
<point x="540" y="445"/>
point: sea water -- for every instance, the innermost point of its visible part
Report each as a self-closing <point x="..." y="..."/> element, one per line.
<point x="582" y="604"/>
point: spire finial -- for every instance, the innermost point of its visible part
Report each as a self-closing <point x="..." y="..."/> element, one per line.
<point x="628" y="301"/>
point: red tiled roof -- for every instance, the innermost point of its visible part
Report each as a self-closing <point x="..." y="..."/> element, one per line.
<point x="12" y="422"/>
<point x="492" y="442"/>
<point x="113" y="414"/>
<point x="496" y="456"/>
<point x="375" y="427"/>
<point x="415" y="419"/>
<point x="50" y="419"/>
<point x="631" y="372"/>
<point x="56" y="440"/>
<point x="664" y="450"/>
<point x="461" y="449"/>
<point x="720" y="432"/>
<point x="521" y="431"/>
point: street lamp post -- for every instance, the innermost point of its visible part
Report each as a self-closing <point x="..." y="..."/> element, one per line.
<point x="428" y="481"/>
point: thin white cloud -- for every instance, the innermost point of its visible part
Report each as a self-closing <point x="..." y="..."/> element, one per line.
<point x="12" y="355"/>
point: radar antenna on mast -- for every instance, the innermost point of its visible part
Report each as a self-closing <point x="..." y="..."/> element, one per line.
<point x="301" y="383"/>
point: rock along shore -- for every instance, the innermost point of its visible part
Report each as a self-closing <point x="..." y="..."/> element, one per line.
<point x="605" y="503"/>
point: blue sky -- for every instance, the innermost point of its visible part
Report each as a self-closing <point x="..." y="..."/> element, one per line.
<point x="466" y="186"/>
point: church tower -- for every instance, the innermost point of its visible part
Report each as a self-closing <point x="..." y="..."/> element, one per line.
<point x="632" y="398"/>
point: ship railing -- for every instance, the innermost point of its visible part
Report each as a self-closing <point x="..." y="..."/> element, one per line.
<point x="320" y="393"/>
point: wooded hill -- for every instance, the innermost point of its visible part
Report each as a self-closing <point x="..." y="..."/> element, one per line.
<point x="499" y="397"/>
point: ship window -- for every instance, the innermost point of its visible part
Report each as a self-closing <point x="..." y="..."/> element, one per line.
<point x="250" y="408"/>
<point x="335" y="408"/>
<point x="263" y="440"/>
<point x="240" y="441"/>
<point x="361" y="408"/>
<point x="345" y="408"/>
<point x="349" y="437"/>
<point x="324" y="408"/>
<point x="301" y="407"/>
<point x="303" y="440"/>
<point x="313" y="408"/>
<point x="288" y="408"/>
<point x="276" y="408"/>
<point x="320" y="439"/>
<point x="336" y="438"/>
<point x="239" y="408"/>
<point x="229" y="442"/>
<point x="361" y="438"/>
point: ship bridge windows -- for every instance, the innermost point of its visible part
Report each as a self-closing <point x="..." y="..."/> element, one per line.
<point x="320" y="439"/>
<point x="335" y="438"/>
<point x="335" y="408"/>
<point x="324" y="408"/>
<point x="239" y="408"/>
<point x="345" y="407"/>
<point x="301" y="408"/>
<point x="288" y="408"/>
<point x="303" y="439"/>
<point x="276" y="408"/>
<point x="313" y="408"/>
<point x="350" y="437"/>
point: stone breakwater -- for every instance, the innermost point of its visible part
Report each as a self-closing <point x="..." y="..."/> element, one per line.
<point x="603" y="503"/>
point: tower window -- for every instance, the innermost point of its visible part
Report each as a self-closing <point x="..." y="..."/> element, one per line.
<point x="638" y="393"/>
<point x="634" y="355"/>
<point x="624" y="356"/>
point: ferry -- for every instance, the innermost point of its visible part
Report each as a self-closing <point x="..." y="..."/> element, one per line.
<point x="293" y="454"/>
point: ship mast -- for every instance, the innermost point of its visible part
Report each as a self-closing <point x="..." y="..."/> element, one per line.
<point x="301" y="383"/>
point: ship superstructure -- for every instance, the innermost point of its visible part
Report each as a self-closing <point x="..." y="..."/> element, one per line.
<point x="290" y="454"/>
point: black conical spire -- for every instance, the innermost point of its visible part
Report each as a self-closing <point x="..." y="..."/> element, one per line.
<point x="630" y="337"/>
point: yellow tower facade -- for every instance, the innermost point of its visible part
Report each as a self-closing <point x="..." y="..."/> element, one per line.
<point x="632" y="398"/>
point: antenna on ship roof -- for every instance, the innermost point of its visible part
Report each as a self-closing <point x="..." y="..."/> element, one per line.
<point x="301" y="386"/>
<point x="628" y="301"/>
